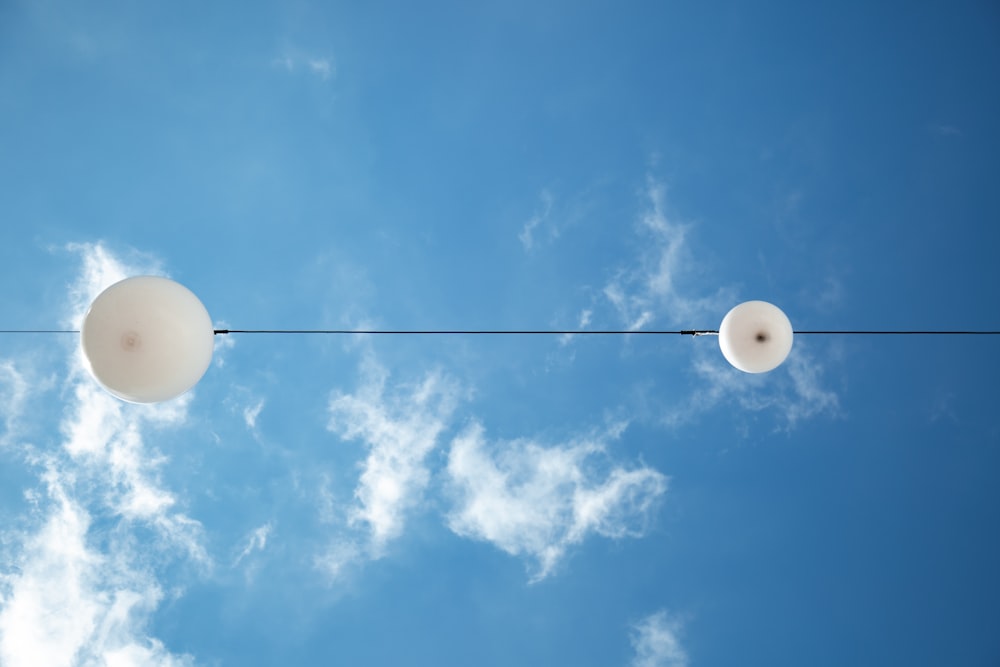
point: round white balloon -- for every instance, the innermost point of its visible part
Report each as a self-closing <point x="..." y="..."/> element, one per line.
<point x="147" y="339"/>
<point x="755" y="336"/>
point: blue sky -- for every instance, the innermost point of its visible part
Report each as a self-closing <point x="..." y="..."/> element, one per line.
<point x="414" y="500"/>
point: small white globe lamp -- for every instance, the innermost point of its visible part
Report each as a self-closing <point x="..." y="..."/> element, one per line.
<point x="147" y="339"/>
<point x="755" y="336"/>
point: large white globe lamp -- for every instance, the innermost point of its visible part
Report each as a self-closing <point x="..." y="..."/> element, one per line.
<point x="755" y="336"/>
<point x="147" y="339"/>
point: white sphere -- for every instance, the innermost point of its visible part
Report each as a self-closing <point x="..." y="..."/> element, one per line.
<point x="755" y="336"/>
<point x="147" y="339"/>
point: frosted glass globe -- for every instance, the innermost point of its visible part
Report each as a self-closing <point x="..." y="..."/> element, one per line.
<point x="147" y="339"/>
<point x="755" y="336"/>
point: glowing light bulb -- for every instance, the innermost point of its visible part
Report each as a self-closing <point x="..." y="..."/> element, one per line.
<point x="755" y="336"/>
<point x="147" y="339"/>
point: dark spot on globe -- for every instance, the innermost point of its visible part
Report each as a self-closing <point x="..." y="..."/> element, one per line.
<point x="131" y="341"/>
<point x="761" y="337"/>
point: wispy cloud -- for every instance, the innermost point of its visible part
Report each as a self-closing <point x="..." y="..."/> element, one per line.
<point x="255" y="541"/>
<point x="539" y="218"/>
<point x="795" y="391"/>
<point x="946" y="130"/>
<point x="649" y="289"/>
<point x="582" y="322"/>
<point x="537" y="501"/>
<point x="247" y="405"/>
<point x="398" y="428"/>
<point x="14" y="390"/>
<point x="809" y="397"/>
<point x="104" y="441"/>
<point x="554" y="214"/>
<point x="223" y="344"/>
<point x="102" y="268"/>
<point x="943" y="408"/>
<point x="830" y="296"/>
<point x="251" y="412"/>
<point x="656" y="642"/>
<point x="73" y="595"/>
<point x="320" y="66"/>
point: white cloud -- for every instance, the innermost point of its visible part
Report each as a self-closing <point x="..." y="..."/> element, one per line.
<point x="251" y="412"/>
<point x="54" y="572"/>
<point x="322" y="67"/>
<point x="223" y="343"/>
<point x="14" y="389"/>
<point x="794" y="390"/>
<point x="582" y="322"/>
<point x="808" y="396"/>
<point x="338" y="557"/>
<point x="399" y="429"/>
<point x="68" y="604"/>
<point x="255" y="541"/>
<point x="649" y="290"/>
<point x="101" y="269"/>
<point x="527" y="234"/>
<point x="831" y="295"/>
<point x="536" y="501"/>
<point x="73" y="595"/>
<point x="104" y="442"/>
<point x="656" y="642"/>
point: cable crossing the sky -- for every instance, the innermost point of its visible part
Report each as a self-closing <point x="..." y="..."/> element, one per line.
<point x="584" y="332"/>
<point x="148" y="339"/>
<point x="541" y="332"/>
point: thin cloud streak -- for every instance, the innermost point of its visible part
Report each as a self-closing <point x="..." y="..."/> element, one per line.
<point x="536" y="501"/>
<point x="256" y="541"/>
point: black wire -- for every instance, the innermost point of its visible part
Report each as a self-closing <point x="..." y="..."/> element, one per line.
<point x="907" y="333"/>
<point x="493" y="332"/>
<point x="539" y="332"/>
<point x="686" y="332"/>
